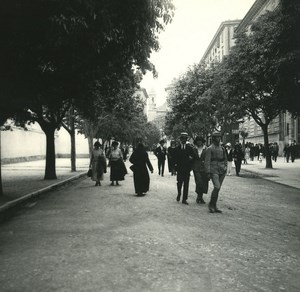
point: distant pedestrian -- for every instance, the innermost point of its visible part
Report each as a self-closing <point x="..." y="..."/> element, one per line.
<point x="161" y="152"/>
<point x="117" y="166"/>
<point x="97" y="163"/>
<point x="184" y="156"/>
<point x="275" y="151"/>
<point x="215" y="168"/>
<point x="247" y="154"/>
<point x="200" y="176"/>
<point x="125" y="152"/>
<point x="171" y="157"/>
<point x="140" y="161"/>
<point x="293" y="151"/>
<point x="238" y="156"/>
<point x="287" y="152"/>
<point x="229" y="157"/>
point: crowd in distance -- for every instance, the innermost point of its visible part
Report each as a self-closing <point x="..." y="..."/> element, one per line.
<point x="207" y="163"/>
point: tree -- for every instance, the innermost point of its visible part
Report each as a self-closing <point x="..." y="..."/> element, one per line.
<point x="55" y="52"/>
<point x="191" y="109"/>
<point x="252" y="74"/>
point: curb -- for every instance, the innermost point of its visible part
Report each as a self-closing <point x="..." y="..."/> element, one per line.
<point x="261" y="176"/>
<point x="17" y="202"/>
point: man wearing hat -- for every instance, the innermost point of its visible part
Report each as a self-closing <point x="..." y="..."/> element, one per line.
<point x="184" y="156"/>
<point x="215" y="166"/>
<point x="229" y="153"/>
<point x="161" y="152"/>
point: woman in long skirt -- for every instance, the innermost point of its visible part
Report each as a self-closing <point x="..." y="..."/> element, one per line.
<point x="140" y="161"/>
<point x="97" y="163"/>
<point x="117" y="166"/>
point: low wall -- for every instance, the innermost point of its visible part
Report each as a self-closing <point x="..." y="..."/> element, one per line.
<point x="19" y="145"/>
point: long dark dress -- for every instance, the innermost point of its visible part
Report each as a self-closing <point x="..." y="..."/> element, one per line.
<point x="141" y="179"/>
<point x="171" y="160"/>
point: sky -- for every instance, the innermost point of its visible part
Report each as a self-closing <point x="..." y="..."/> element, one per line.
<point x="187" y="37"/>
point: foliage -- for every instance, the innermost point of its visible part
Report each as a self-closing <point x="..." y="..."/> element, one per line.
<point x="56" y="53"/>
<point x="191" y="110"/>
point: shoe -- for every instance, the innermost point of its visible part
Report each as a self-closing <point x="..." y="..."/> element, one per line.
<point x="185" y="202"/>
<point x="217" y="210"/>
<point x="201" y="201"/>
<point x="112" y="183"/>
<point x="178" y="198"/>
<point x="211" y="208"/>
<point x="117" y="184"/>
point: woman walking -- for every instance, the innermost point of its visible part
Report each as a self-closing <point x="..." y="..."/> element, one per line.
<point x="199" y="169"/>
<point x="229" y="153"/>
<point x="171" y="157"/>
<point x="117" y="166"/>
<point x="140" y="161"/>
<point x="97" y="163"/>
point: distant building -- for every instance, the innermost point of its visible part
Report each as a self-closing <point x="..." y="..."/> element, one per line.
<point x="219" y="47"/>
<point x="159" y="120"/>
<point x="284" y="128"/>
<point x="149" y="101"/>
<point x="221" y="43"/>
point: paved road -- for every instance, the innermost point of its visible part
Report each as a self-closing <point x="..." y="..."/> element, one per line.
<point x="87" y="238"/>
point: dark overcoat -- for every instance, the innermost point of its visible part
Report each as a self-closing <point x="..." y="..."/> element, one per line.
<point x="183" y="161"/>
<point x="140" y="160"/>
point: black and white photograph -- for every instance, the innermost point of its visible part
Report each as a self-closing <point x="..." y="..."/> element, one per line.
<point x="150" y="146"/>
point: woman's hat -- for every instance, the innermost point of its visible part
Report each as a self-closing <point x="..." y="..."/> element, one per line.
<point x="199" y="138"/>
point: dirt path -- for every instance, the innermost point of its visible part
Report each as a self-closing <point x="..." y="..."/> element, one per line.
<point x="86" y="238"/>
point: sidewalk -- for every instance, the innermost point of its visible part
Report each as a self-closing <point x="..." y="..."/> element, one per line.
<point x="23" y="181"/>
<point x="282" y="172"/>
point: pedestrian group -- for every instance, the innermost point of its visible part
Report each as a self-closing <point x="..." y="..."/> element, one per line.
<point x="207" y="163"/>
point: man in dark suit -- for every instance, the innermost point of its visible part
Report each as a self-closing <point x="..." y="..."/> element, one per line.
<point x="184" y="156"/>
<point x="161" y="153"/>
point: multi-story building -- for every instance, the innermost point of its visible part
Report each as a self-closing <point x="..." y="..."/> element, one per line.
<point x="149" y="101"/>
<point x="284" y="128"/>
<point x="219" y="47"/>
<point x="221" y="43"/>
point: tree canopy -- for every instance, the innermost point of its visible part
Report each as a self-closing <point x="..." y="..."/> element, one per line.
<point x="56" y="53"/>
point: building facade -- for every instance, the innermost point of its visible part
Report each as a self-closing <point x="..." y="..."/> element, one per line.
<point x="284" y="129"/>
<point x="221" y="43"/>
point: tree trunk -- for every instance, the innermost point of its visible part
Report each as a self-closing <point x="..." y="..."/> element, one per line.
<point x="267" y="148"/>
<point x="1" y="188"/>
<point x="72" y="135"/>
<point x="50" y="170"/>
<point x="90" y="141"/>
<point x="73" y="151"/>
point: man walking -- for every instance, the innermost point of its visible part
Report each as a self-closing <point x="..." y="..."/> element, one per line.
<point x="215" y="167"/>
<point x="184" y="156"/>
<point x="161" y="152"/>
